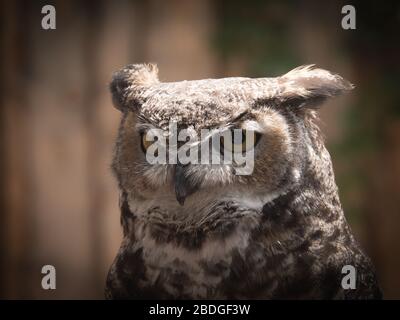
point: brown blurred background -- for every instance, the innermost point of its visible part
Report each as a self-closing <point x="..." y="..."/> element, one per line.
<point x="58" y="198"/>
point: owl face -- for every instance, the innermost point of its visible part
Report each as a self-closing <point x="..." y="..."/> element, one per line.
<point x="268" y="112"/>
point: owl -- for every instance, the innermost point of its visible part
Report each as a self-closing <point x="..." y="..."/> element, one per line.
<point x="202" y="231"/>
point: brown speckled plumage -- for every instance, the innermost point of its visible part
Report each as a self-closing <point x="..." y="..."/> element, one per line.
<point x="279" y="233"/>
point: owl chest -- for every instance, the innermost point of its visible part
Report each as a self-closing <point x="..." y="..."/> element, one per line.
<point x="181" y="277"/>
<point x="192" y="262"/>
<point x="205" y="272"/>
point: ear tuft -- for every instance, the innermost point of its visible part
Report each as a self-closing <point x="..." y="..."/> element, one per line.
<point x="130" y="82"/>
<point x="309" y="86"/>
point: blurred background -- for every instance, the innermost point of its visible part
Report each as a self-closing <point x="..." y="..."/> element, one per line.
<point x="58" y="198"/>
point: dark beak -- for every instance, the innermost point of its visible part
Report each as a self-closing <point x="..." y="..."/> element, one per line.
<point x="184" y="187"/>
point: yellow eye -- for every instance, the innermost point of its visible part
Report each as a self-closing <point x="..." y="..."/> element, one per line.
<point x="239" y="140"/>
<point x="145" y="142"/>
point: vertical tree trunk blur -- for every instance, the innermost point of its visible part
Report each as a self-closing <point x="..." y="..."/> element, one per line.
<point x="375" y="52"/>
<point x="16" y="183"/>
<point x="384" y="211"/>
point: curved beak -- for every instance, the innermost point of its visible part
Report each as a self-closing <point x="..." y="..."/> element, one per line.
<point x="184" y="186"/>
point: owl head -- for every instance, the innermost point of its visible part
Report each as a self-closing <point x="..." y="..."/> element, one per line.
<point x="276" y="112"/>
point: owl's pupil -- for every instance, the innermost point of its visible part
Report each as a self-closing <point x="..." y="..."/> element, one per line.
<point x="147" y="143"/>
<point x="221" y="145"/>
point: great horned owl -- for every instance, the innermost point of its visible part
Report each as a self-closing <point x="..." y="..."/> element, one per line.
<point x="201" y="231"/>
